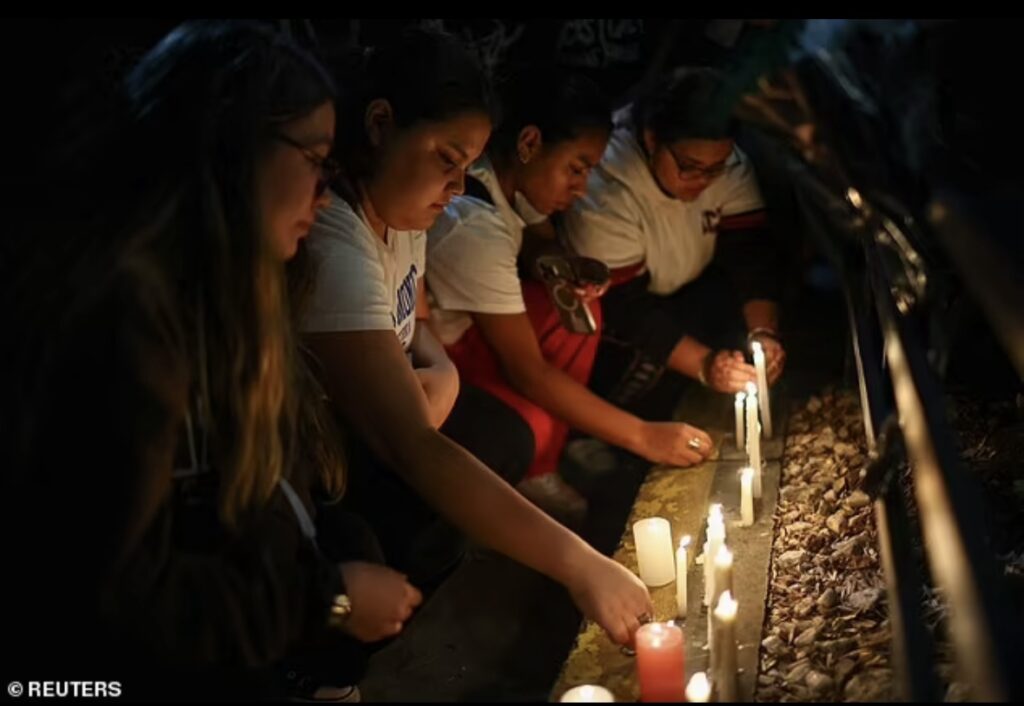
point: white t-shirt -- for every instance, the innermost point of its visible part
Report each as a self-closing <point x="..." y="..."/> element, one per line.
<point x="363" y="283"/>
<point x="472" y="248"/>
<point x="626" y="219"/>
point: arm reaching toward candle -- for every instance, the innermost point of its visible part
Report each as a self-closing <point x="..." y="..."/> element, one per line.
<point x="386" y="405"/>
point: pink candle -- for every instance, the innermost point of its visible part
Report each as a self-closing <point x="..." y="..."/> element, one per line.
<point x="659" y="662"/>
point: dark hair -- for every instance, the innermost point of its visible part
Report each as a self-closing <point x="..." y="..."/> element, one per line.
<point x="168" y="187"/>
<point x="426" y="76"/>
<point x="687" y="103"/>
<point x="561" y="104"/>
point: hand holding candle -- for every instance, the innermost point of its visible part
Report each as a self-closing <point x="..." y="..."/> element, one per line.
<point x="727" y="371"/>
<point x="775" y="357"/>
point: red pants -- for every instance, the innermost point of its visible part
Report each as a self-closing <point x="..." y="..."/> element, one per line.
<point x="573" y="353"/>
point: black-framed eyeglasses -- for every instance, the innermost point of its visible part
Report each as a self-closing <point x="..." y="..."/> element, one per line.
<point x="690" y="171"/>
<point x="328" y="167"/>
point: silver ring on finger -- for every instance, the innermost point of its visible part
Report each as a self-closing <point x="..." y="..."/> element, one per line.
<point x="694" y="443"/>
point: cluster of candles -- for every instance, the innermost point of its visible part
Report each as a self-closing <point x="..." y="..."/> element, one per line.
<point x="748" y="433"/>
<point x="659" y="646"/>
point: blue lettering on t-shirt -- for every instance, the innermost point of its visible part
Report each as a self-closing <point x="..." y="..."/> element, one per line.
<point x="405" y="304"/>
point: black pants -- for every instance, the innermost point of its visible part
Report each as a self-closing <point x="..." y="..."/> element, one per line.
<point x="641" y="329"/>
<point x="413" y="537"/>
<point x="706" y="309"/>
<point x="342" y="660"/>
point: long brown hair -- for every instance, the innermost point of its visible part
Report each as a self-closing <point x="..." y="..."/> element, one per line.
<point x="198" y="115"/>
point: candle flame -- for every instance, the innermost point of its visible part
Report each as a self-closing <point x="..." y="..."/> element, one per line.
<point x="726" y="609"/>
<point x="747" y="473"/>
<point x="751" y="390"/>
<point x="755" y="346"/>
<point x="723" y="558"/>
<point x="740" y="396"/>
<point x="698" y="690"/>
<point x="684" y="542"/>
<point x="854" y="197"/>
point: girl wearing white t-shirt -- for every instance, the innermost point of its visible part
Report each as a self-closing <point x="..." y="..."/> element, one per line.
<point x="419" y="118"/>
<point x="670" y="182"/>
<point x="504" y="333"/>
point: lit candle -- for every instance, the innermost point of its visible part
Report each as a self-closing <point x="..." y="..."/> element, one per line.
<point x="762" y="387"/>
<point x="681" y="588"/>
<point x="754" y="437"/>
<point x="654" y="558"/>
<point x="725" y="641"/>
<point x="715" y="513"/>
<point x="747" y="497"/>
<point x="659" y="662"/>
<point x="722" y="582"/>
<point x="698" y="691"/>
<point x="739" y="408"/>
<point x="588" y="693"/>
<point x="755" y="461"/>
<point x="707" y="574"/>
<point x="716" y="538"/>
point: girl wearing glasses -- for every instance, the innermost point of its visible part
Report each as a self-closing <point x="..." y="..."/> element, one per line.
<point x="419" y="117"/>
<point x="159" y="425"/>
<point x="670" y="184"/>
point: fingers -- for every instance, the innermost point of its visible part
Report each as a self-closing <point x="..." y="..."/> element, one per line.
<point x="618" y="630"/>
<point x="686" y="456"/>
<point x="705" y="440"/>
<point x="736" y="379"/>
<point x="631" y="624"/>
<point x="775" y="369"/>
<point x="415" y="597"/>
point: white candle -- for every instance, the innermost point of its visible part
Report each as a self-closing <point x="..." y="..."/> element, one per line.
<point x="588" y="693"/>
<point x="762" y="387"/>
<point x="698" y="691"/>
<point x="747" y="497"/>
<point x="654" y="558"/>
<point x="707" y="575"/>
<point x="725" y="643"/>
<point x="681" y="588"/>
<point x="716" y="538"/>
<point x="755" y="461"/>
<point x="754" y="438"/>
<point x="739" y="408"/>
<point x="751" y="413"/>
<point x="722" y="582"/>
